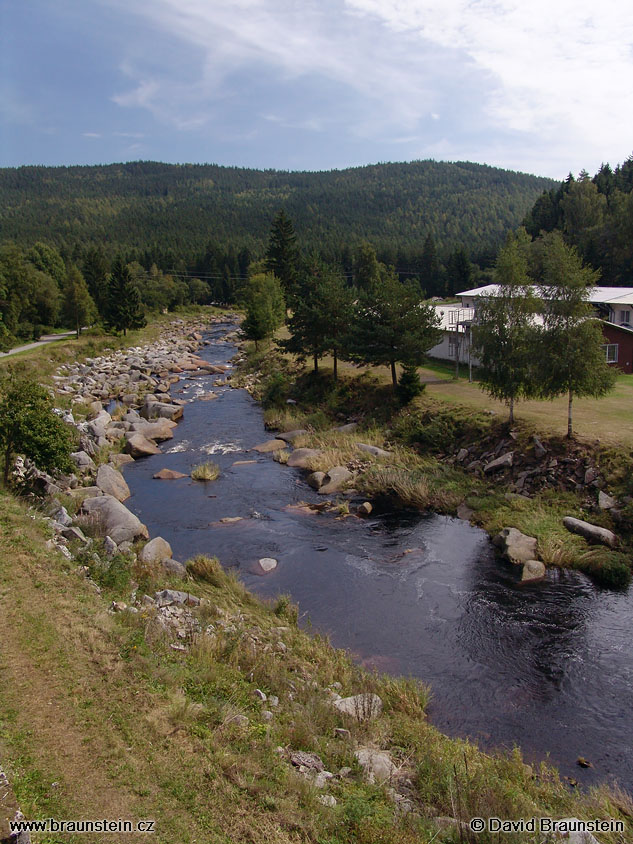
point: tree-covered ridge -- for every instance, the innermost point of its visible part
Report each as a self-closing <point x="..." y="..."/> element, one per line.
<point x="596" y="216"/>
<point x="168" y="213"/>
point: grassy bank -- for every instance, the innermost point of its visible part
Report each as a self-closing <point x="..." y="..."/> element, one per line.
<point x="101" y="717"/>
<point x="421" y="471"/>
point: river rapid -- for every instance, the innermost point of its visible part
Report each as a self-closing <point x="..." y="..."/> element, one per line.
<point x="547" y="667"/>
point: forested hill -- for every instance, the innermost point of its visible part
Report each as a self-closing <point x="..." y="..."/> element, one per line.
<point x="170" y="212"/>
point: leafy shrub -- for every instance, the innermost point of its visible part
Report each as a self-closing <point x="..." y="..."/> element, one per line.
<point x="28" y="426"/>
<point x="284" y="608"/>
<point x="276" y="390"/>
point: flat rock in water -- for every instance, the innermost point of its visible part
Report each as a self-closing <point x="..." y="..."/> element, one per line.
<point x="593" y="533"/>
<point x="267" y="564"/>
<point x="300" y="457"/>
<point x="169" y="475"/>
<point x="268" y="446"/>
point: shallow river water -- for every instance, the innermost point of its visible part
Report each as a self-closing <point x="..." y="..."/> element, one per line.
<point x="548" y="667"/>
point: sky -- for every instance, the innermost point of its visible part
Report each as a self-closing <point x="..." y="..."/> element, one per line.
<point x="542" y="87"/>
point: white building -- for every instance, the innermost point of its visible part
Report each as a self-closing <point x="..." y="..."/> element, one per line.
<point x="613" y="305"/>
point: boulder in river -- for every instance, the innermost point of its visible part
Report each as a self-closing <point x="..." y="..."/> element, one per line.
<point x="516" y="546"/>
<point x="267" y="564"/>
<point x="139" y="446"/>
<point x="533" y="570"/>
<point x="169" y="475"/>
<point x="316" y="480"/>
<point x="158" y="430"/>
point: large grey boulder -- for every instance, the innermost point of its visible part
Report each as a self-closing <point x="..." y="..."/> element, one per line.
<point x="118" y="522"/>
<point x="363" y="707"/>
<point x="156" y="550"/>
<point x="157" y="410"/>
<point x="516" y="546"/>
<point x="593" y="533"/>
<point x="335" y="480"/>
<point x="159" y="430"/>
<point x="112" y="482"/>
<point x="82" y="460"/>
<point x="377" y="765"/>
<point x="533" y="571"/>
<point x="139" y="446"/>
<point x="300" y="457"/>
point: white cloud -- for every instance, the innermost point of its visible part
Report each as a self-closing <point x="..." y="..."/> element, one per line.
<point x="91" y="135"/>
<point x="552" y="79"/>
<point x="561" y="68"/>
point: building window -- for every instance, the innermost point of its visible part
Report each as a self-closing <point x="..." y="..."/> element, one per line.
<point x="453" y="347"/>
<point x="625" y="317"/>
<point x="611" y="352"/>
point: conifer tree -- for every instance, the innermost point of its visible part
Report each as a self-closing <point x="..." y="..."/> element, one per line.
<point x="321" y="315"/>
<point x="282" y="254"/>
<point x="124" y="308"/>
<point x="391" y="325"/>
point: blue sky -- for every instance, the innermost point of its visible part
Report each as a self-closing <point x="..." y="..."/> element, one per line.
<point x="542" y="87"/>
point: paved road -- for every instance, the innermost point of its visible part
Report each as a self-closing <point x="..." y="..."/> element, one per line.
<point x="44" y="339"/>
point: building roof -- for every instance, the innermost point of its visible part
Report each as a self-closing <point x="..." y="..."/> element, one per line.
<point x="598" y="295"/>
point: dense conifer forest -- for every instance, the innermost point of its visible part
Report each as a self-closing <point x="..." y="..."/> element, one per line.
<point x="210" y="219"/>
<point x="595" y="215"/>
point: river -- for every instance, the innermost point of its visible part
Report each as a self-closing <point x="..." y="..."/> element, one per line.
<point x="547" y="667"/>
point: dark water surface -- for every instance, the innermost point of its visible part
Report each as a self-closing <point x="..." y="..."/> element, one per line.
<point x="548" y="667"/>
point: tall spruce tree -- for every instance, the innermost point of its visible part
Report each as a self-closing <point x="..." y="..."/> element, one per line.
<point x="504" y="333"/>
<point x="430" y="272"/>
<point x="123" y="306"/>
<point x="282" y="254"/>
<point x="571" y="357"/>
